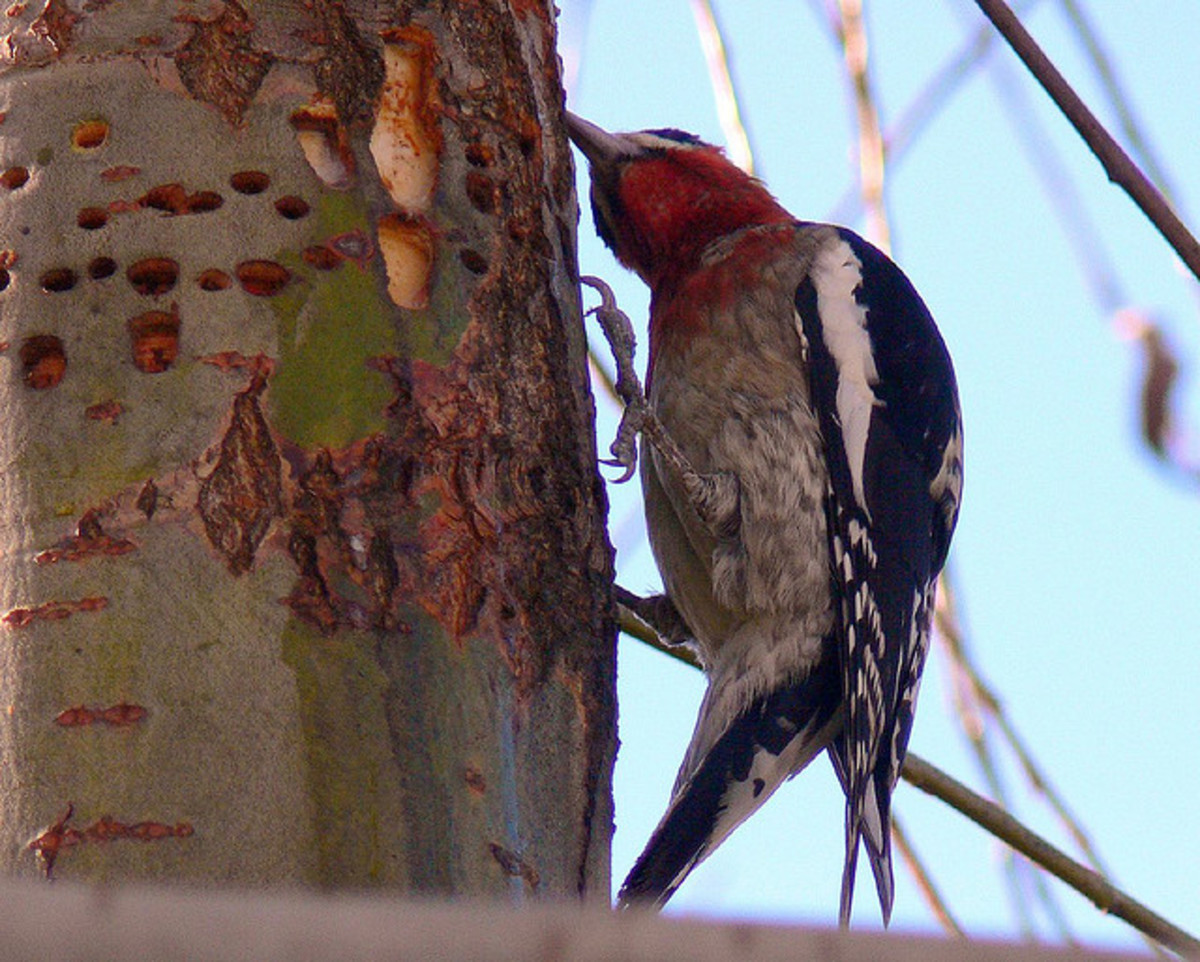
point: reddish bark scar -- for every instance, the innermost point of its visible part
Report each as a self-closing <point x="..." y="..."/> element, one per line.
<point x="118" y="716"/>
<point x="52" y="611"/>
<point x="105" y="411"/>
<point x="89" y="541"/>
<point x="513" y="864"/>
<point x="61" y="835"/>
<point x="237" y="361"/>
<point x="147" y="500"/>
<point x="354" y="246"/>
<point x="121" y="172"/>
<point x="475" y="780"/>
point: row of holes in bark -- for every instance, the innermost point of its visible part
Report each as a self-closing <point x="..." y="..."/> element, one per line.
<point x="262" y="278"/>
<point x="153" y="276"/>
<point x="154" y="340"/>
<point x="244" y="181"/>
<point x="174" y="199"/>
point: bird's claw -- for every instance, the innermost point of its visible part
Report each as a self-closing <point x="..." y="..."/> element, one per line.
<point x="637" y="417"/>
<point x="618" y="331"/>
<point x="618" y="463"/>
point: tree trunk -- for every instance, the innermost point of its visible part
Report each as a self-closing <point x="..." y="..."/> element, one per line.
<point x="303" y="570"/>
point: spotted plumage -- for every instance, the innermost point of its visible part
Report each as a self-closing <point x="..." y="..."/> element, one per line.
<point x="802" y="522"/>
<point x="883" y="389"/>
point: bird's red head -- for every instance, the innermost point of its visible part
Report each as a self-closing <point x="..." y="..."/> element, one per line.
<point x="661" y="197"/>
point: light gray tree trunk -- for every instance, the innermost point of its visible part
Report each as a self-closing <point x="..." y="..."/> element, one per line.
<point x="303" y="574"/>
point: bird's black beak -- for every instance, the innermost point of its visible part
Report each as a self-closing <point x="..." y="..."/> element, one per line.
<point x="598" y="145"/>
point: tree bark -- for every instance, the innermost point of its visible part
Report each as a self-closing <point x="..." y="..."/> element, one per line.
<point x="303" y="572"/>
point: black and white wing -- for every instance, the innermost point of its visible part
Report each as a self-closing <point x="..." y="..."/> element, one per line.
<point x="884" y="391"/>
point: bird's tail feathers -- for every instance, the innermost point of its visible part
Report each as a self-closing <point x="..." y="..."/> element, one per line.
<point x="871" y="822"/>
<point x="773" y="738"/>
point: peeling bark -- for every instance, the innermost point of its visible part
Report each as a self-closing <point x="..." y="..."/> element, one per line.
<point x="220" y="65"/>
<point x="240" y="499"/>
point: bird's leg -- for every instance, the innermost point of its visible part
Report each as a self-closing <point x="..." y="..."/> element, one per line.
<point x="658" y="612"/>
<point x="619" y="334"/>
<point x="714" y="496"/>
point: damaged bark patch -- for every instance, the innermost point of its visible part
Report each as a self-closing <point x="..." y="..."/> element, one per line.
<point x="52" y="611"/>
<point x="101" y="267"/>
<point x="241" y="497"/>
<point x="220" y="66"/>
<point x="153" y="276"/>
<point x="90" y="541"/>
<point x="61" y="835"/>
<point x="348" y="575"/>
<point x="147" y="499"/>
<point x="118" y="716"/>
<point x="310" y="599"/>
<point x="54" y="28"/>
<point x="513" y="864"/>
<point x="262" y="278"/>
<point x="44" y="360"/>
<point x="324" y="143"/>
<point x="405" y="138"/>
<point x="316" y="508"/>
<point x="155" y="340"/>
<point x="106" y="411"/>
<point x="351" y="70"/>
<point x="174" y="199"/>
<point x="89" y="134"/>
<point x="407" y="248"/>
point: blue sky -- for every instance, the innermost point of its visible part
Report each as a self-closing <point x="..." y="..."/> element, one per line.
<point x="1076" y="553"/>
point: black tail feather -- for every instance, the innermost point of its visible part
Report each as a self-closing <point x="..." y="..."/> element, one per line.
<point x="692" y="827"/>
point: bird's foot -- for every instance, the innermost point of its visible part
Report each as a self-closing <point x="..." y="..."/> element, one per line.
<point x="714" y="496"/>
<point x="659" y="614"/>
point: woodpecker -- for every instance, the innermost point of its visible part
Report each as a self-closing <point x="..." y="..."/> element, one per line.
<point x="800" y="491"/>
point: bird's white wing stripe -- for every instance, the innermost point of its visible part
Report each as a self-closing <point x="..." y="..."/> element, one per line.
<point x="948" y="481"/>
<point x="836" y="274"/>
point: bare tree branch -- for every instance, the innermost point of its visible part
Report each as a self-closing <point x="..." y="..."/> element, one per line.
<point x="1101" y="276"/>
<point x="720" y="76"/>
<point x="943" y="84"/>
<point x="1158" y="413"/>
<point x="1102" y="893"/>
<point x="929" y="891"/>
<point x="1107" y="75"/>
<point x="852" y="34"/>
<point x="1117" y="164"/>
<point x="994" y="820"/>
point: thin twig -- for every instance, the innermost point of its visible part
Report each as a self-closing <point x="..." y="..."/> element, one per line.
<point x="916" y="868"/>
<point x="923" y="108"/>
<point x="853" y="37"/>
<point x="970" y="707"/>
<point x="1120" y="169"/>
<point x="1058" y="186"/>
<point x="994" y="820"/>
<point x="938" y="91"/>
<point x="720" y="76"/>
<point x="602" y="374"/>
<point x="633" y="626"/>
<point x="1093" y="886"/>
<point x="955" y="643"/>
<point x="1107" y="75"/>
